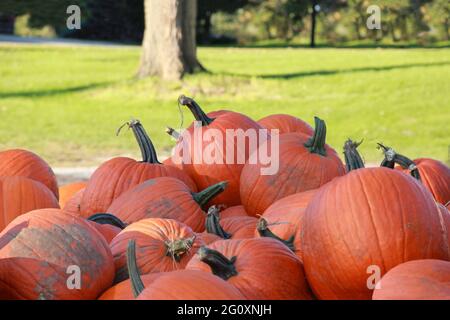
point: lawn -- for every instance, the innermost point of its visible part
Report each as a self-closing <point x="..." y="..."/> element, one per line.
<point x="66" y="103"/>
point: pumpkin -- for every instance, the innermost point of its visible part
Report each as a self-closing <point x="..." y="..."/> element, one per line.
<point x="67" y="191"/>
<point x="107" y="224"/>
<point x="209" y="238"/>
<point x="192" y="146"/>
<point x="179" y="285"/>
<point x="427" y="279"/>
<point x="238" y="227"/>
<point x="233" y="211"/>
<point x="258" y="268"/>
<point x="444" y="217"/>
<point x="165" y="198"/>
<point x="17" y="162"/>
<point x="164" y="245"/>
<point x="73" y="204"/>
<point x="448" y="205"/>
<point x="283" y="220"/>
<point x="18" y="195"/>
<point x="124" y="291"/>
<point x="286" y="123"/>
<point x="120" y="174"/>
<point x="305" y="163"/>
<point x="369" y="219"/>
<point x="434" y="174"/>
<point x="41" y="252"/>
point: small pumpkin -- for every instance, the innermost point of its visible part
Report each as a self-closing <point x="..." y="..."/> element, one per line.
<point x="107" y="224"/>
<point x="238" y="227"/>
<point x="416" y="280"/>
<point x="165" y="198"/>
<point x="24" y="163"/>
<point x="67" y="191"/>
<point x="73" y="204"/>
<point x="286" y="123"/>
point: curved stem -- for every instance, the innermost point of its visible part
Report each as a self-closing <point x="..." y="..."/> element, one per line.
<point x="107" y="218"/>
<point x="145" y="143"/>
<point x="198" y="113"/>
<point x="220" y="265"/>
<point x="136" y="282"/>
<point x="391" y="158"/>
<point x="212" y="224"/>
<point x="316" y="144"/>
<point x="264" y="231"/>
<point x="178" y="247"/>
<point x="353" y="159"/>
<point x="204" y="196"/>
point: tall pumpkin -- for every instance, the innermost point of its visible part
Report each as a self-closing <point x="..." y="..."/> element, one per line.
<point x="368" y="221"/>
<point x="120" y="174"/>
<point x="286" y="123"/>
<point x="44" y="251"/>
<point x="18" y="195"/>
<point x="305" y="163"/>
<point x="18" y="162"/>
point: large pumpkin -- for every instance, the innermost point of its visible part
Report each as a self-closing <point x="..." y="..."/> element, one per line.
<point x="18" y="195"/>
<point x="416" y="280"/>
<point x="120" y="174"/>
<point x="305" y="163"/>
<point x="17" y="162"/>
<point x="67" y="191"/>
<point x="261" y="269"/>
<point x="226" y="157"/>
<point x="286" y="123"/>
<point x="164" y="245"/>
<point x="44" y="251"/>
<point x="165" y="198"/>
<point x="368" y="221"/>
<point x="237" y="227"/>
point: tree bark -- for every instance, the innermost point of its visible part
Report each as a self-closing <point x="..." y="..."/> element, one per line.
<point x="169" y="44"/>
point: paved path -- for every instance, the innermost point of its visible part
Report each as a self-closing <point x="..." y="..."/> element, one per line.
<point x="11" y="39"/>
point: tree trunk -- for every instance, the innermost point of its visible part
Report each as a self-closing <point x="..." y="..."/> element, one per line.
<point x="313" y="25"/>
<point x="169" y="45"/>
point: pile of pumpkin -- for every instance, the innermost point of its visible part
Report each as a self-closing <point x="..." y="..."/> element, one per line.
<point x="319" y="228"/>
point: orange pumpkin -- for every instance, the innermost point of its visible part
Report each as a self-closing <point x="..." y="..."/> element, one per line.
<point x="67" y="191"/>
<point x="237" y="227"/>
<point x="73" y="204"/>
<point x="107" y="224"/>
<point x="286" y="123"/>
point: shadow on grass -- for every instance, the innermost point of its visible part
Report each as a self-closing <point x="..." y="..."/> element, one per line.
<point x="287" y="76"/>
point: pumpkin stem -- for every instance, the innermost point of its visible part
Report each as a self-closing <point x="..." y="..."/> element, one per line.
<point x="204" y="196"/>
<point x="353" y="159"/>
<point x="212" y="224"/>
<point x="391" y="158"/>
<point x="136" y="282"/>
<point x="173" y="133"/>
<point x="178" y="247"/>
<point x="198" y="113"/>
<point x="264" y="231"/>
<point x="316" y="144"/>
<point x="145" y="144"/>
<point x="107" y="218"/>
<point x="220" y="265"/>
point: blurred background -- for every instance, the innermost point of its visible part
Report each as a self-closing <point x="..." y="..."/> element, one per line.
<point x="64" y="91"/>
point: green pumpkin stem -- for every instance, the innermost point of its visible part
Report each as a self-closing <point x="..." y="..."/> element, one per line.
<point x="212" y="224"/>
<point x="136" y="282"/>
<point x="353" y="159"/>
<point x="316" y="144"/>
<point x="220" y="265"/>
<point x="204" y="196"/>
<point x="263" y="230"/>
<point x="198" y="113"/>
<point x="391" y="158"/>
<point x="173" y="133"/>
<point x="107" y="218"/>
<point x="145" y="143"/>
<point x="178" y="247"/>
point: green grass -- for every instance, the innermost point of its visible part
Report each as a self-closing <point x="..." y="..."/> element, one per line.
<point x="65" y="103"/>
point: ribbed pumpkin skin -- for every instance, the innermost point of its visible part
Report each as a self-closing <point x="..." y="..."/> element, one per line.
<point x="299" y="170"/>
<point x="123" y="290"/>
<point x="285" y="218"/>
<point x="445" y="221"/>
<point x="286" y="123"/>
<point x="416" y="280"/>
<point x="189" y="285"/>
<point x="435" y="176"/>
<point x="17" y="162"/>
<point x="108" y="231"/>
<point x="239" y="227"/>
<point x="38" y="247"/>
<point x="205" y="174"/>
<point x="209" y="238"/>
<point x="234" y="211"/>
<point x="267" y="269"/>
<point x="119" y="175"/>
<point x="151" y="235"/>
<point x="18" y="195"/>
<point x="67" y="191"/>
<point x="369" y="217"/>
<point x="166" y="198"/>
<point x="73" y="204"/>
